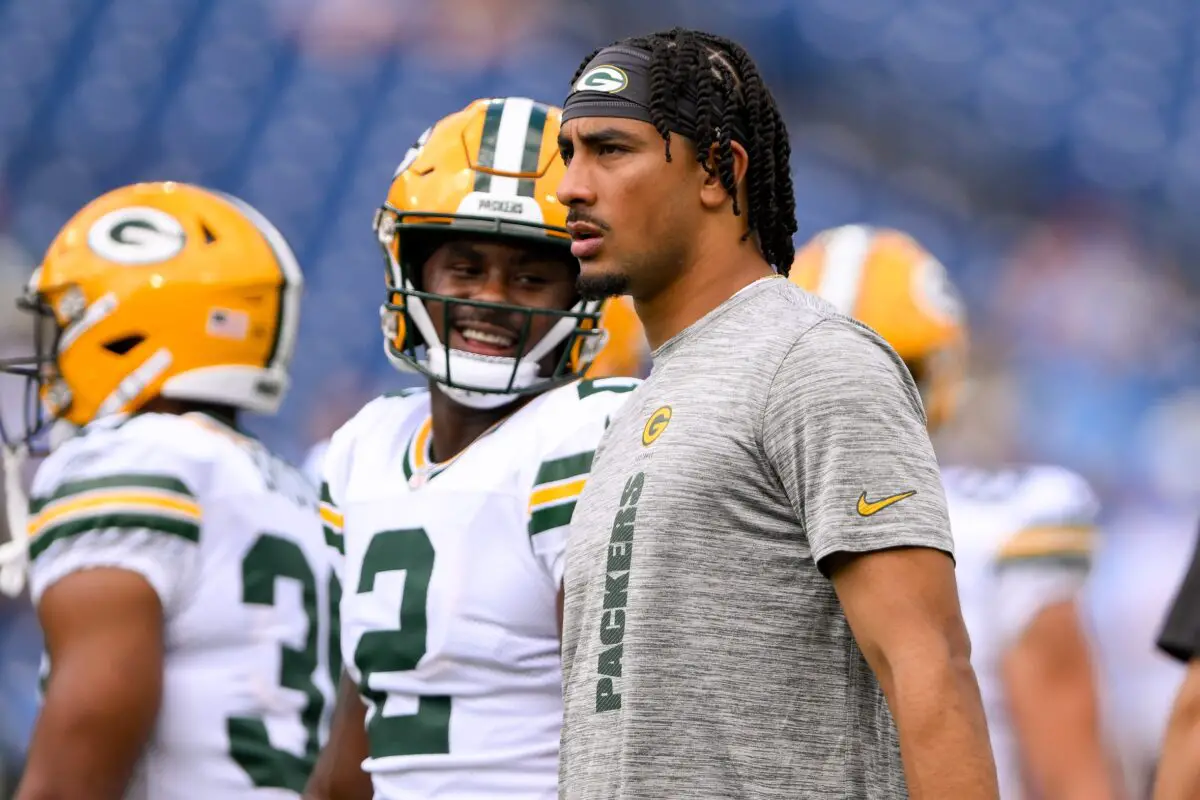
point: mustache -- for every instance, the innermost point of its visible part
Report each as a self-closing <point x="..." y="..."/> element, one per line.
<point x="575" y="215"/>
<point x="507" y="320"/>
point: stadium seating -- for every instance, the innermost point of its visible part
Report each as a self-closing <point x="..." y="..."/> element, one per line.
<point x="93" y="93"/>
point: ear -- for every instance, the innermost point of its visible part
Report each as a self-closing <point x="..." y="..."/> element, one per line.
<point x="713" y="194"/>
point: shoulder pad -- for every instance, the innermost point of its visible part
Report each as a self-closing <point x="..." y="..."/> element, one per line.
<point x="1053" y="496"/>
<point x="146" y="472"/>
<point x="375" y="423"/>
<point x="1041" y="494"/>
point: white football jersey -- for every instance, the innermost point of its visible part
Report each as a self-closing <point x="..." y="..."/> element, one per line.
<point x="451" y="576"/>
<point x="231" y="540"/>
<point x="313" y="461"/>
<point x="1023" y="541"/>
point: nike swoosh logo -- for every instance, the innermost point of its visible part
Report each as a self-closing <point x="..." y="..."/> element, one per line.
<point x="868" y="508"/>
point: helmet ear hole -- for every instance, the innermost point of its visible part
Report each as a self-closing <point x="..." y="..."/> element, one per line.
<point x="124" y="344"/>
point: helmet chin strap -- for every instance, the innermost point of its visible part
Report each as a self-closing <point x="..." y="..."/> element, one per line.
<point x="489" y="372"/>
<point x="460" y="364"/>
<point x="474" y="370"/>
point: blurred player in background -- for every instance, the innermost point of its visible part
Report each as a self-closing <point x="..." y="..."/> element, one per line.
<point x="1178" y="775"/>
<point x="178" y="568"/>
<point x="1023" y="537"/>
<point x="451" y="505"/>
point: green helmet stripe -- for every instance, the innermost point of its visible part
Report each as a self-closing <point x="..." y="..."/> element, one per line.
<point x="487" y="145"/>
<point x="533" y="147"/>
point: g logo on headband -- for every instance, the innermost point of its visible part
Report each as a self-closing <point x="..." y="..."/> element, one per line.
<point x="602" y="78"/>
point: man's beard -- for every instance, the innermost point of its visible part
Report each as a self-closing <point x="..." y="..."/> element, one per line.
<point x="598" y="287"/>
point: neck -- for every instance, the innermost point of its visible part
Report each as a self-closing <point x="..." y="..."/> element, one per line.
<point x="456" y="426"/>
<point x="224" y="414"/>
<point x="711" y="279"/>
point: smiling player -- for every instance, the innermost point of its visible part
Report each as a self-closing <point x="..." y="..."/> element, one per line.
<point x="451" y="505"/>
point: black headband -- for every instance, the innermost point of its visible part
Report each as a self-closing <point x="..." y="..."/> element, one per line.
<point x="616" y="83"/>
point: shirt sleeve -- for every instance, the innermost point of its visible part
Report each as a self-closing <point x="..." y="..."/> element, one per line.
<point x="333" y="470"/>
<point x="331" y="523"/>
<point x="844" y="430"/>
<point x="1057" y="512"/>
<point x="1180" y="634"/>
<point x="1048" y="560"/>
<point x="562" y="474"/>
<point x="1024" y="592"/>
<point x="132" y="508"/>
<point x="314" y="469"/>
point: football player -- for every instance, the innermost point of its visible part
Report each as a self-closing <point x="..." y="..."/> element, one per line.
<point x="1023" y="537"/>
<point x="451" y="505"/>
<point x="178" y="568"/>
<point x="625" y="354"/>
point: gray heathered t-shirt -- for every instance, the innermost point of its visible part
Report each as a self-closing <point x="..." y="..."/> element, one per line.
<point x="705" y="655"/>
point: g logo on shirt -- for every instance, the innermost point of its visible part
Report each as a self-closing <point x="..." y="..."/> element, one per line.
<point x="656" y="425"/>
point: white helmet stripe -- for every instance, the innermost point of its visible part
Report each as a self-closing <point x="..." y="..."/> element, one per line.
<point x="293" y="280"/>
<point x="510" y="144"/>
<point x="846" y="251"/>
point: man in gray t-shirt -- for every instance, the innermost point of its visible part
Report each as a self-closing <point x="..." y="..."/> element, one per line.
<point x="762" y="551"/>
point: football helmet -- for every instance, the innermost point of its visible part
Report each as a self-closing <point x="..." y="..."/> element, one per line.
<point x="490" y="170"/>
<point x="886" y="280"/>
<point x="626" y="351"/>
<point x="158" y="290"/>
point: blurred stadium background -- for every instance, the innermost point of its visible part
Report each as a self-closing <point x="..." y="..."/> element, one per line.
<point x="1048" y="151"/>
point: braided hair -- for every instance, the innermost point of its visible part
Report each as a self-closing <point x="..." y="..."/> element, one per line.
<point x="730" y="93"/>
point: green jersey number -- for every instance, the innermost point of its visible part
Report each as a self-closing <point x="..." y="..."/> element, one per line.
<point x="271" y="558"/>
<point x="428" y="730"/>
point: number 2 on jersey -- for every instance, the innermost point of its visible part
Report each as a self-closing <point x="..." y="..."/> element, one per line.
<point x="428" y="730"/>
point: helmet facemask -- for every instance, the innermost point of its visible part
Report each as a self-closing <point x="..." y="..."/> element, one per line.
<point x="45" y="396"/>
<point x="472" y="379"/>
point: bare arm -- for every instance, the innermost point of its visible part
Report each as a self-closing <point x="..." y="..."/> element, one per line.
<point x="1053" y="701"/>
<point x="338" y="774"/>
<point x="104" y="636"/>
<point x="1179" y="769"/>
<point x="902" y="606"/>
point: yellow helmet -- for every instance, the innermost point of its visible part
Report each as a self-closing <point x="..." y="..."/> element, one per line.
<point x="159" y="290"/>
<point x="889" y="282"/>
<point x="491" y="169"/>
<point x="626" y="351"/>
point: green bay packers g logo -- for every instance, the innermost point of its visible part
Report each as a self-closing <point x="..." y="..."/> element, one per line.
<point x="656" y="425"/>
<point x="603" y="78"/>
<point x="412" y="153"/>
<point x="136" y="235"/>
